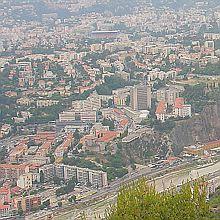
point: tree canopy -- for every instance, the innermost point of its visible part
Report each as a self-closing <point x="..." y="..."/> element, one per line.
<point x="141" y="201"/>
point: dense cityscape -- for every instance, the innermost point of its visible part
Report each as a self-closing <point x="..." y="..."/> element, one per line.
<point x="95" y="94"/>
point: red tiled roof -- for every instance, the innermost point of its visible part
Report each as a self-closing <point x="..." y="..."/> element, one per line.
<point x="16" y="190"/>
<point x="4" y="206"/>
<point x="42" y="135"/>
<point x="123" y="122"/>
<point x="4" y="190"/>
<point x="115" y="110"/>
<point x="13" y="166"/>
<point x="161" y="108"/>
<point x="179" y="102"/>
<point x="108" y="136"/>
<point x="66" y="143"/>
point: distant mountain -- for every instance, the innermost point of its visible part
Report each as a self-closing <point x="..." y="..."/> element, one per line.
<point x="116" y="7"/>
<point x="178" y="4"/>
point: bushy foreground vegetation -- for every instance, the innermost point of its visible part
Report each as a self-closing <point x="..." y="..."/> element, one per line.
<point x="141" y="201"/>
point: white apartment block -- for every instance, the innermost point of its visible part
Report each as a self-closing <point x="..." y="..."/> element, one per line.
<point x="25" y="181"/>
<point x="46" y="103"/>
<point x="77" y="115"/>
<point x="81" y="175"/>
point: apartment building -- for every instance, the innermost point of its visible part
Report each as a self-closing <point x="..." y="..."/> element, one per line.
<point x="82" y="175"/>
<point x="181" y="109"/>
<point x="161" y="111"/>
<point x="5" y="211"/>
<point x="28" y="203"/>
<point x="120" y="96"/>
<point x="5" y="195"/>
<point x="25" y="181"/>
<point x="93" y="102"/>
<point x="12" y="171"/>
<point x="141" y="97"/>
<point x="16" y="155"/>
<point x="89" y="116"/>
<point x="61" y="149"/>
<point x="5" y="130"/>
<point x="45" y="103"/>
<point x="48" y="171"/>
<point x="44" y="136"/>
<point x="167" y="94"/>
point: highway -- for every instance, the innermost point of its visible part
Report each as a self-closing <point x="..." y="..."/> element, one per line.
<point x="162" y="183"/>
<point x="163" y="178"/>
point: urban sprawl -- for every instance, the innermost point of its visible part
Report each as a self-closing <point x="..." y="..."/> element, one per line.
<point x="90" y="97"/>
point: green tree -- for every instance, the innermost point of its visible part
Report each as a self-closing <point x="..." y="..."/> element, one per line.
<point x="20" y="211"/>
<point x="141" y="201"/>
<point x="109" y="122"/>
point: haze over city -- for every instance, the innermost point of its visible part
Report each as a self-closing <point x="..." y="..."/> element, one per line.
<point x="109" y="109"/>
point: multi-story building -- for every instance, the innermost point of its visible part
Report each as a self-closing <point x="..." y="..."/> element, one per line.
<point x="5" y="130"/>
<point x="161" y="111"/>
<point x="45" y="103"/>
<point x="120" y="96"/>
<point x="141" y="97"/>
<point x="181" y="109"/>
<point x="25" y="181"/>
<point x="93" y="102"/>
<point x="209" y="44"/>
<point x="28" y="203"/>
<point x="77" y="115"/>
<point x="17" y="153"/>
<point x="44" y="136"/>
<point x="48" y="171"/>
<point x="81" y="175"/>
<point x="5" y="195"/>
<point x="61" y="149"/>
<point x="5" y="211"/>
<point x="12" y="171"/>
<point x="168" y="95"/>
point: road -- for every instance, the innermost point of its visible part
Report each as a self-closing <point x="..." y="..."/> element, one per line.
<point x="161" y="183"/>
<point x="163" y="178"/>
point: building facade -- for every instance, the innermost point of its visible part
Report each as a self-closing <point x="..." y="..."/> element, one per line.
<point x="141" y="97"/>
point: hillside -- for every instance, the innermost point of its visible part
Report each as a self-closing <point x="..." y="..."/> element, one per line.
<point x="201" y="128"/>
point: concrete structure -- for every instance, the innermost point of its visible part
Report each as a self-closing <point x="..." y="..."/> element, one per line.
<point x="141" y="97"/>
<point x="168" y="95"/>
<point x="45" y="103"/>
<point x="77" y="115"/>
<point x="136" y="116"/>
<point x="82" y="175"/>
<point x="161" y="111"/>
<point x="12" y="172"/>
<point x="181" y="109"/>
<point x="93" y="102"/>
<point x="25" y="181"/>
<point x="28" y="203"/>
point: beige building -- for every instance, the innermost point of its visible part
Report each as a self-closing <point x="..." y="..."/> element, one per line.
<point x="168" y="95"/>
<point x="46" y="103"/>
<point x="25" y="181"/>
<point x="78" y="115"/>
<point x="141" y="97"/>
<point x="82" y="175"/>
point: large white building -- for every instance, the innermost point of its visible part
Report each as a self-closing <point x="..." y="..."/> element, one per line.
<point x="25" y="181"/>
<point x="81" y="175"/>
<point x="93" y="102"/>
<point x="89" y="116"/>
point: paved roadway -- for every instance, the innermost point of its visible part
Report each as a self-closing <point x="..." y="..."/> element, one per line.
<point x="98" y="202"/>
<point x="161" y="183"/>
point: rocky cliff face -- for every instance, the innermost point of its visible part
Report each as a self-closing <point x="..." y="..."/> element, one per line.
<point x="201" y="128"/>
